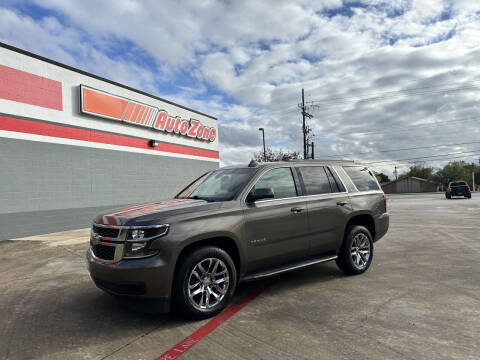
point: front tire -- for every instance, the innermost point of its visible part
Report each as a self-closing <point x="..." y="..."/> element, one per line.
<point x="356" y="253"/>
<point x="204" y="283"/>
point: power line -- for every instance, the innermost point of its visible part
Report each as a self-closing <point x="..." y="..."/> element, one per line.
<point x="409" y="127"/>
<point x="424" y="157"/>
<point x="405" y="149"/>
<point x="440" y="159"/>
<point x="389" y="94"/>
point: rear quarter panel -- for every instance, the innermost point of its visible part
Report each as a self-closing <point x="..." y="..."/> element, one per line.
<point x="367" y="203"/>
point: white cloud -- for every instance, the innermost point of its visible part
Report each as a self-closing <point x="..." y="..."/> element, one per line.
<point x="262" y="53"/>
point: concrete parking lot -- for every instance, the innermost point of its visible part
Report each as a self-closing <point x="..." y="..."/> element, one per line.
<point x="420" y="299"/>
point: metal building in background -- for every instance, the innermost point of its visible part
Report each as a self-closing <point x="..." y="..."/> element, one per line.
<point x="73" y="144"/>
<point x="409" y="185"/>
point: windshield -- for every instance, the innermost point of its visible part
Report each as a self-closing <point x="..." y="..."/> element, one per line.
<point x="218" y="185"/>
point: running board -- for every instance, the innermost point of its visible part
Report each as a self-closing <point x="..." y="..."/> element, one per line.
<point x="285" y="268"/>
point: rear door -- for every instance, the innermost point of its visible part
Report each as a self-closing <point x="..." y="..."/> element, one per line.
<point x="328" y="207"/>
<point x="276" y="229"/>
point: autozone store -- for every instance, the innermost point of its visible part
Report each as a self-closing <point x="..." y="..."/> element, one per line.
<point x="73" y="144"/>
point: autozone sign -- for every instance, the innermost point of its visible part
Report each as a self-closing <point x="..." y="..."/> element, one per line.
<point x="100" y="103"/>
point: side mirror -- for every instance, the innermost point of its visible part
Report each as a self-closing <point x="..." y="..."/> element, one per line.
<point x="258" y="194"/>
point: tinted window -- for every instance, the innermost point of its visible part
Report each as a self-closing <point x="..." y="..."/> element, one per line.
<point x="218" y="185"/>
<point x="363" y="178"/>
<point x="280" y="181"/>
<point x="315" y="180"/>
<point x="338" y="183"/>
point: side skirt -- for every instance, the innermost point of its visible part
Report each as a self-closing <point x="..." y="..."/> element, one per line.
<point x="289" y="267"/>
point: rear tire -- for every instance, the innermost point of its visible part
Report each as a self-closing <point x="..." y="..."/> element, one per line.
<point x="448" y="196"/>
<point x="356" y="253"/>
<point x="204" y="283"/>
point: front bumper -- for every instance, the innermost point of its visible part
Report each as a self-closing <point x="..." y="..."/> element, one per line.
<point x="149" y="278"/>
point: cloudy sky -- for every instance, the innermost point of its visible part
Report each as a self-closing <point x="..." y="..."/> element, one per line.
<point x="384" y="80"/>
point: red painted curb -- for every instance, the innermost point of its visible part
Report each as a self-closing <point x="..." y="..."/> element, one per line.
<point x="190" y="341"/>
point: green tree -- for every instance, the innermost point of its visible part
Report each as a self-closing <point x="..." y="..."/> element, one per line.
<point x="420" y="172"/>
<point x="455" y="170"/>
<point x="382" y="178"/>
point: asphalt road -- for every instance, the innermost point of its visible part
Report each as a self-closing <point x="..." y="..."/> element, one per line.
<point x="420" y="299"/>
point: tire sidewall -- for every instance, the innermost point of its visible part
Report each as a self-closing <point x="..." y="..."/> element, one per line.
<point x="182" y="278"/>
<point x="345" y="251"/>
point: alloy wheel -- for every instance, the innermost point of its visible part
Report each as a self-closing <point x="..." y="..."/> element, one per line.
<point x="208" y="283"/>
<point x="360" y="251"/>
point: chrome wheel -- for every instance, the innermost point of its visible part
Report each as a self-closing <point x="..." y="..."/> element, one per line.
<point x="208" y="283"/>
<point x="360" y="251"/>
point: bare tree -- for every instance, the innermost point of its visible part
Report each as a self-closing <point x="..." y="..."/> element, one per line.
<point x="278" y="155"/>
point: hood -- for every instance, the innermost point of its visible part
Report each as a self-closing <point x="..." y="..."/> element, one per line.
<point x="152" y="213"/>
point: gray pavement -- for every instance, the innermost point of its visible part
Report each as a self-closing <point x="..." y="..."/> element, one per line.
<point x="420" y="299"/>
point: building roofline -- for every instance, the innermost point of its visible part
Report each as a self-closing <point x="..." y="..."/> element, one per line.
<point x="409" y="177"/>
<point x="71" y="68"/>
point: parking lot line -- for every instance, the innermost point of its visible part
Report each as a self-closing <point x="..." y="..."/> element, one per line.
<point x="191" y="340"/>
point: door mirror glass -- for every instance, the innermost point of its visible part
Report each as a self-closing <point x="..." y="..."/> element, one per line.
<point x="258" y="194"/>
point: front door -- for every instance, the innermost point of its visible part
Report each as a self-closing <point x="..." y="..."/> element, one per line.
<point x="276" y="230"/>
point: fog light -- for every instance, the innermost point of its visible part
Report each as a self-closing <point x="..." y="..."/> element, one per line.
<point x="135" y="249"/>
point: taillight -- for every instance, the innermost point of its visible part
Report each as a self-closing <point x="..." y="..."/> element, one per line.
<point x="449" y="189"/>
<point x="468" y="187"/>
<point x="385" y="202"/>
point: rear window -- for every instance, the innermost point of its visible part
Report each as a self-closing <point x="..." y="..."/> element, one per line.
<point x="315" y="180"/>
<point x="363" y="178"/>
<point x="458" y="183"/>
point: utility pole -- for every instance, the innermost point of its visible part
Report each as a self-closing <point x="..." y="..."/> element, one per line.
<point x="313" y="150"/>
<point x="395" y="172"/>
<point x="264" y="151"/>
<point x="304" y="128"/>
<point x="473" y="180"/>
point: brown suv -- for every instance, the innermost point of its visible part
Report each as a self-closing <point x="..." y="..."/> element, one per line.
<point x="236" y="224"/>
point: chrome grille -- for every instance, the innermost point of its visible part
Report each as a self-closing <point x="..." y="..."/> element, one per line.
<point x="105" y="231"/>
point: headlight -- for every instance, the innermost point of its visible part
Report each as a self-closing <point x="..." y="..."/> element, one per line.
<point x="147" y="232"/>
<point x="139" y="240"/>
<point x="138" y="234"/>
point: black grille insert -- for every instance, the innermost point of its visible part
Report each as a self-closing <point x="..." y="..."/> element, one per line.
<point x="123" y="288"/>
<point x="105" y="232"/>
<point x="103" y="251"/>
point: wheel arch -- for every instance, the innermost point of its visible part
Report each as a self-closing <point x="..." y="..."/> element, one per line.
<point x="226" y="243"/>
<point x="363" y="219"/>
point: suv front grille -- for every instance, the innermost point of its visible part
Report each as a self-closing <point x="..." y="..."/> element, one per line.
<point x="105" y="232"/>
<point x="103" y="251"/>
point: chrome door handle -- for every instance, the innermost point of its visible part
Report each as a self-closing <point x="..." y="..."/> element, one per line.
<point x="342" y="203"/>
<point x="296" y="209"/>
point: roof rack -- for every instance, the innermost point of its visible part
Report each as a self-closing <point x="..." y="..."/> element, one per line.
<point x="322" y="160"/>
